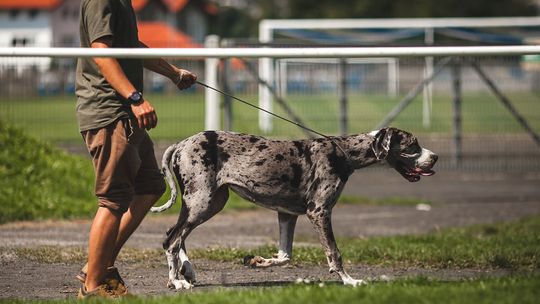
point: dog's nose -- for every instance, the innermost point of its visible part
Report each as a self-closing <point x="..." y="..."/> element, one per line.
<point x="434" y="157"/>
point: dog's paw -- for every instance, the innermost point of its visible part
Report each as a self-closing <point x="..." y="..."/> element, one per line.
<point x="179" y="284"/>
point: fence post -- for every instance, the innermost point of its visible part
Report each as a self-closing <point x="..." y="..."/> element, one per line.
<point x="343" y="96"/>
<point x="227" y="101"/>
<point x="211" y="97"/>
<point x="429" y="39"/>
<point x="456" y="101"/>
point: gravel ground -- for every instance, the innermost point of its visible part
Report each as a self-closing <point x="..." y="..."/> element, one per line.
<point x="459" y="199"/>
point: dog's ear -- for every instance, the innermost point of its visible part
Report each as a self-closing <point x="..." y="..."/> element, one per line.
<point x="381" y="143"/>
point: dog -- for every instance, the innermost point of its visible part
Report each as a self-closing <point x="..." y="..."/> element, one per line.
<point x="291" y="177"/>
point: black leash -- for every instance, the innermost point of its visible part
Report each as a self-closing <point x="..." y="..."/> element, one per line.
<point x="276" y="115"/>
<point x="265" y="111"/>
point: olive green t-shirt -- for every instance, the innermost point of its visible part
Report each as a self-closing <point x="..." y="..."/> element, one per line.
<point x="98" y="103"/>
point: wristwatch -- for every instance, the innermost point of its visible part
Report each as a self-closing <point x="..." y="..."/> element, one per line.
<point x="135" y="98"/>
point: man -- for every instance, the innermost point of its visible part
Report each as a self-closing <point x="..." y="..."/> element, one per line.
<point x="113" y="118"/>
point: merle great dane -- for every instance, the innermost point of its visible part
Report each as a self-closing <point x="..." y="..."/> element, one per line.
<point x="290" y="177"/>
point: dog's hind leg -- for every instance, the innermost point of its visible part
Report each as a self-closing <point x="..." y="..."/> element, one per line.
<point x="175" y="252"/>
<point x="192" y="215"/>
<point x="321" y="220"/>
<point x="287" y="223"/>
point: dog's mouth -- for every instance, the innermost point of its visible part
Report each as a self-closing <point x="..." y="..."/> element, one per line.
<point x="413" y="174"/>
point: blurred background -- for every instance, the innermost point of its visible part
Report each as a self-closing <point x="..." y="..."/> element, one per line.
<point x="458" y="114"/>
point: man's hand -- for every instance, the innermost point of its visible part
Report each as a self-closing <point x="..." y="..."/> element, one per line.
<point x="183" y="78"/>
<point x="145" y="114"/>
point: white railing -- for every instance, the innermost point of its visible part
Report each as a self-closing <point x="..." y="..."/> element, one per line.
<point x="330" y="52"/>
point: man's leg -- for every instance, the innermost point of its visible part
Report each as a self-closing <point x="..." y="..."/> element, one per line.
<point x="132" y="219"/>
<point x="103" y="235"/>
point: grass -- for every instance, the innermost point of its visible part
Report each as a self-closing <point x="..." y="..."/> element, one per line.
<point x="505" y="245"/>
<point x="40" y="181"/>
<point x="514" y="289"/>
<point x="514" y="245"/>
<point x="181" y="115"/>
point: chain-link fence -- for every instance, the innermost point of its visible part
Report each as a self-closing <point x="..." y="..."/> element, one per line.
<point x="332" y="96"/>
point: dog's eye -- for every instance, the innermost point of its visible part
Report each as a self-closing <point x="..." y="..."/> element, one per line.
<point x="411" y="151"/>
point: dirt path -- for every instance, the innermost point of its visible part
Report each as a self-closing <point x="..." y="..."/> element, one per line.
<point x="461" y="199"/>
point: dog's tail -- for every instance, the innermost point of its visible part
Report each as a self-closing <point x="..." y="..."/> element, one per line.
<point x="167" y="171"/>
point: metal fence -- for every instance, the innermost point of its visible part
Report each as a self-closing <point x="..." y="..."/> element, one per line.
<point x="332" y="96"/>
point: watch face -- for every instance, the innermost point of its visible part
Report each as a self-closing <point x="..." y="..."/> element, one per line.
<point x="135" y="97"/>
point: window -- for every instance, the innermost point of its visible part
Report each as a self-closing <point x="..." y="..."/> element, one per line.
<point x="33" y="13"/>
<point x="21" y="41"/>
<point x="13" y="13"/>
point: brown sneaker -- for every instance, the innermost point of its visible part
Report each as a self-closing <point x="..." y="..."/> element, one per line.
<point x="113" y="280"/>
<point x="102" y="291"/>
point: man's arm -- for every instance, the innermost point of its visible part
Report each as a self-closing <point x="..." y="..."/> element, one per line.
<point x="183" y="79"/>
<point x="113" y="73"/>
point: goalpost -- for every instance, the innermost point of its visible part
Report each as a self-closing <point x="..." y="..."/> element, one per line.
<point x="268" y="28"/>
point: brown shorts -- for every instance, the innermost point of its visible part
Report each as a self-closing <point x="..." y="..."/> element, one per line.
<point x="124" y="164"/>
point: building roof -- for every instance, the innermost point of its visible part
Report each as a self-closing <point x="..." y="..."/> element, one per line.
<point x="161" y="35"/>
<point x="29" y="4"/>
<point x="172" y="5"/>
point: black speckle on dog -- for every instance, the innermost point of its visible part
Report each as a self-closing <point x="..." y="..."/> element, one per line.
<point x="193" y="162"/>
<point x="279" y="157"/>
<point x="196" y="150"/>
<point x="339" y="166"/>
<point x="300" y="147"/>
<point x="243" y="149"/>
<point x="307" y="153"/>
<point x="260" y="162"/>
<point x="318" y="210"/>
<point x="297" y="175"/>
<point x="210" y="156"/>
<point x="220" y="141"/>
<point x="311" y="206"/>
<point x="253" y="139"/>
<point x="224" y="156"/>
<point x="291" y="152"/>
<point x="262" y="147"/>
<point x="284" y="178"/>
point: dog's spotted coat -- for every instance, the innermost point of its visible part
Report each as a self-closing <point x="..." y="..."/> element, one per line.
<point x="291" y="177"/>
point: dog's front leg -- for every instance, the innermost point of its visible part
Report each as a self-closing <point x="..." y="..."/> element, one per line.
<point x="287" y="223"/>
<point x="321" y="219"/>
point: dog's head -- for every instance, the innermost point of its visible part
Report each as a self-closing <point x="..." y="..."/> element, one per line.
<point x="402" y="151"/>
